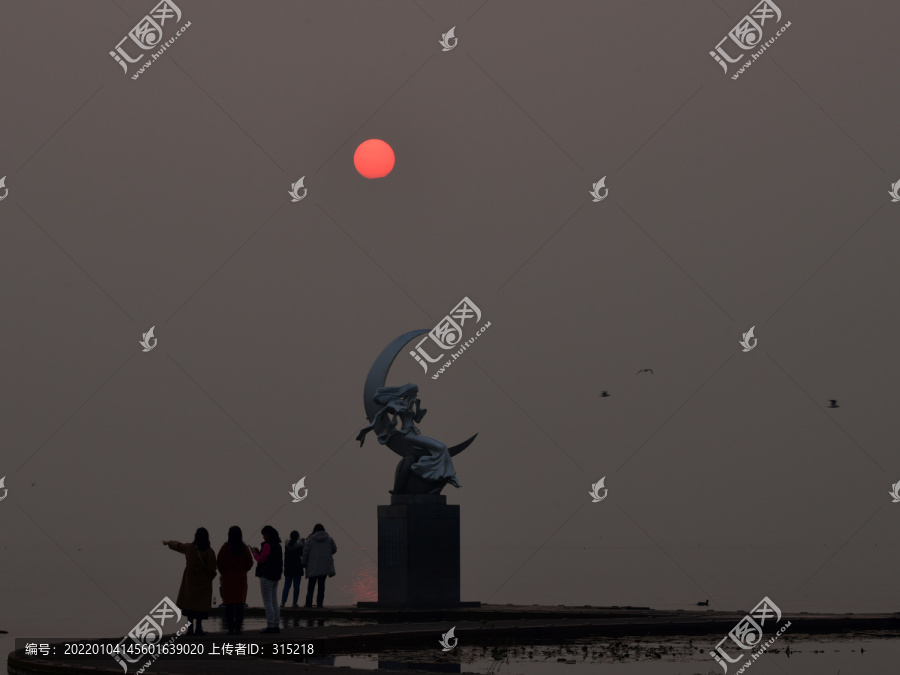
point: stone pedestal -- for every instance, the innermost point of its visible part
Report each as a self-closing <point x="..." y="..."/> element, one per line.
<point x="418" y="553"/>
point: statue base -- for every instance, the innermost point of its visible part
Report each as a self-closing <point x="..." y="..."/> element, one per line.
<point x="418" y="554"/>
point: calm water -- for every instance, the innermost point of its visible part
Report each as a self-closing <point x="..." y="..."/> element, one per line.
<point x="858" y="654"/>
<point x="864" y="654"/>
<point x="252" y="623"/>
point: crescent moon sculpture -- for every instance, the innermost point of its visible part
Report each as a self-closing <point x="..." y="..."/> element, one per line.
<point x="376" y="378"/>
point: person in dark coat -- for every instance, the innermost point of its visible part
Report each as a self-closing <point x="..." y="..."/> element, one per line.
<point x="318" y="562"/>
<point x="195" y="593"/>
<point x="293" y="567"/>
<point x="270" y="564"/>
<point x="234" y="561"/>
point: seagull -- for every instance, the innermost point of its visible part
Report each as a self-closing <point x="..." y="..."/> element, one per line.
<point x="645" y="370"/>
<point x="834" y="404"/>
<point x="703" y="604"/>
<point x="604" y="394"/>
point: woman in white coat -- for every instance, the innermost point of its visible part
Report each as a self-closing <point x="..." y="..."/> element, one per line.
<point x="318" y="562"/>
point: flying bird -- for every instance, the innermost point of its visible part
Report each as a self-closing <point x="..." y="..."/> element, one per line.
<point x="604" y="394"/>
<point x="645" y="370"/>
<point x="834" y="404"/>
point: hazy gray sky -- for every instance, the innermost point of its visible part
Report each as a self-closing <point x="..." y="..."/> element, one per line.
<point x="162" y="201"/>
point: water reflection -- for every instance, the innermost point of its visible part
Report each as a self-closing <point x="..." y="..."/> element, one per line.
<point x="863" y="654"/>
<point x="256" y="623"/>
<point x="427" y="667"/>
<point x="319" y="660"/>
<point x="362" y="584"/>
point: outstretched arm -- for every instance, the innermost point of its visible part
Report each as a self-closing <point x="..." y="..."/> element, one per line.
<point x="361" y="436"/>
<point x="376" y="421"/>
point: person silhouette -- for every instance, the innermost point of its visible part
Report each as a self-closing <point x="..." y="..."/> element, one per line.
<point x="293" y="567"/>
<point x="234" y="561"/>
<point x="318" y="561"/>
<point x="270" y="564"/>
<point x="195" y="593"/>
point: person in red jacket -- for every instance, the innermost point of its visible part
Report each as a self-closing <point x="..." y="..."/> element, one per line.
<point x="234" y="561"/>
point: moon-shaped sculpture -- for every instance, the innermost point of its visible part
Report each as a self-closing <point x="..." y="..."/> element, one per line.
<point x="376" y="378"/>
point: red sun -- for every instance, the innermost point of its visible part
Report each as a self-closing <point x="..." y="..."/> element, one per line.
<point x="374" y="158"/>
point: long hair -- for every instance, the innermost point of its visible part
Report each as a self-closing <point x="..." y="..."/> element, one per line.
<point x="236" y="540"/>
<point x="385" y="395"/>
<point x="272" y="533"/>
<point x="201" y="539"/>
<point x="393" y="401"/>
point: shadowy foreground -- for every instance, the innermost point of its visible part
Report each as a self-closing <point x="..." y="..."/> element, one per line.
<point x="340" y="631"/>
